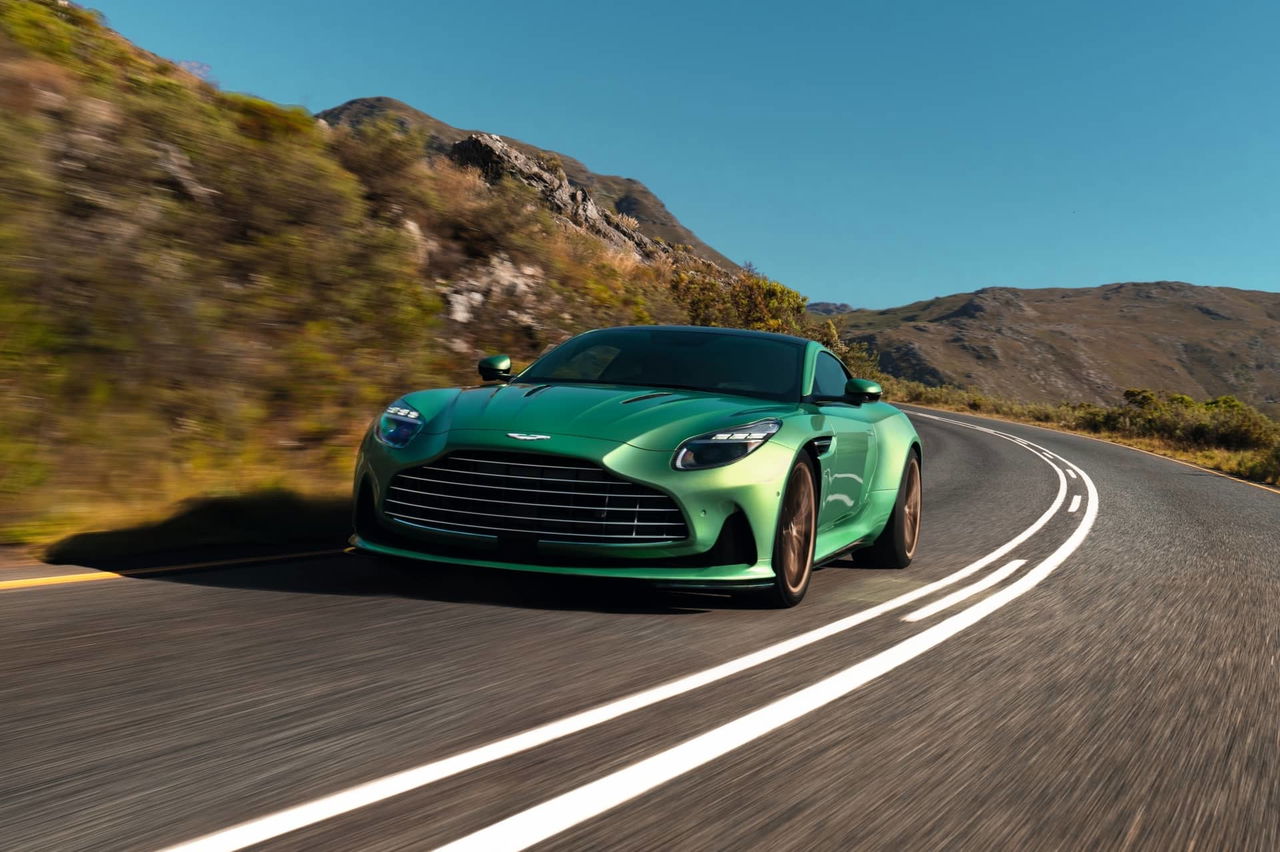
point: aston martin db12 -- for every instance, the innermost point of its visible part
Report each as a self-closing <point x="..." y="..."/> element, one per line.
<point x="709" y="458"/>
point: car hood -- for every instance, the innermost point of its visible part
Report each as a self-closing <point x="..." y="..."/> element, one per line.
<point x="648" y="418"/>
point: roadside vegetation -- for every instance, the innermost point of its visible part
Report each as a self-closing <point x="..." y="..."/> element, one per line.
<point x="206" y="294"/>
<point x="1222" y="434"/>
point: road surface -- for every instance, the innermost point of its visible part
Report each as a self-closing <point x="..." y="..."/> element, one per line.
<point x="1086" y="654"/>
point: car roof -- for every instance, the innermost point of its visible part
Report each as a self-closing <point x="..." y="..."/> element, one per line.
<point x="705" y="329"/>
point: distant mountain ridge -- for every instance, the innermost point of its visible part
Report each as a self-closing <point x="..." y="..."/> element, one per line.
<point x="618" y="194"/>
<point x="1082" y="344"/>
<point x="830" y="309"/>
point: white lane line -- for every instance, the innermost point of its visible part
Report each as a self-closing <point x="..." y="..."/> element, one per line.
<point x="965" y="592"/>
<point x="1075" y="503"/>
<point x="581" y="804"/>
<point x="1071" y="473"/>
<point x="300" y="816"/>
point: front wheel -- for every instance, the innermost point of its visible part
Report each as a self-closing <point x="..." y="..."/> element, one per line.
<point x="896" y="545"/>
<point x="796" y="536"/>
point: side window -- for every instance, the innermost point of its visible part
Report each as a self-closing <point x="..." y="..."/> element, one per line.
<point x="829" y="376"/>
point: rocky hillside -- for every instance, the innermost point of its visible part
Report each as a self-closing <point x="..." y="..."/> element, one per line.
<point x="205" y="292"/>
<point x="1085" y="344"/>
<point x="618" y="195"/>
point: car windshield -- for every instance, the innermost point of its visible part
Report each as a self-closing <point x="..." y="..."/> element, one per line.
<point x="721" y="362"/>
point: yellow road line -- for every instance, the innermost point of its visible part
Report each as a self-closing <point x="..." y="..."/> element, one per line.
<point x="59" y="579"/>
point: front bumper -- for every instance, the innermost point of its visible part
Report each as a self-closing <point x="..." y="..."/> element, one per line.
<point x="737" y="500"/>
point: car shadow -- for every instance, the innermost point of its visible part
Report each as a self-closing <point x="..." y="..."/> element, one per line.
<point x="353" y="573"/>
<point x="848" y="562"/>
<point x="214" y="528"/>
<point x="283" y="542"/>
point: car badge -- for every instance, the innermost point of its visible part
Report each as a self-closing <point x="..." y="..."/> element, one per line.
<point x="524" y="436"/>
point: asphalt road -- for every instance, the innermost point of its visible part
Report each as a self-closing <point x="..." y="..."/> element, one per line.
<point x="1116" y="688"/>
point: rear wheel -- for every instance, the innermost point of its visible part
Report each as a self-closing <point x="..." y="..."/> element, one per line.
<point x="896" y="546"/>
<point x="794" y="541"/>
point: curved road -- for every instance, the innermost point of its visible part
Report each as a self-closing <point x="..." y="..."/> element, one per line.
<point x="1086" y="654"/>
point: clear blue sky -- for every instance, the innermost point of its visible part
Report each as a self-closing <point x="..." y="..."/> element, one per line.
<point x="868" y="151"/>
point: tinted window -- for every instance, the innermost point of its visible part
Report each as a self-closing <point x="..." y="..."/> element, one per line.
<point x="667" y="358"/>
<point x="829" y="376"/>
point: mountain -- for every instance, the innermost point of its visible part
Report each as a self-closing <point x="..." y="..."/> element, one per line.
<point x="619" y="194"/>
<point x="1083" y="344"/>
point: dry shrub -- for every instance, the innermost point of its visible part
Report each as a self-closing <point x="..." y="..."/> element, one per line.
<point x="28" y="83"/>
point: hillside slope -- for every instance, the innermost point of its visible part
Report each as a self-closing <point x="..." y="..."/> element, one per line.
<point x="619" y="194"/>
<point x="1085" y="344"/>
<point x="202" y="292"/>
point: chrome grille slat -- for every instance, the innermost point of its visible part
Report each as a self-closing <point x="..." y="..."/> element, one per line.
<point x="524" y="464"/>
<point x="470" y="527"/>
<point x="545" y="505"/>
<point x="527" y="518"/>
<point x="535" y="490"/>
<point x="530" y="478"/>
<point x="500" y="494"/>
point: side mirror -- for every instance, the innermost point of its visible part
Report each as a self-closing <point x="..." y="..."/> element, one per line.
<point x="495" y="368"/>
<point x="858" y="391"/>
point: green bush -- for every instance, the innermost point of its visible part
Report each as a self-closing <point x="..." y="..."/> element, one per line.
<point x="263" y="120"/>
<point x="1224" y="422"/>
<point x="40" y="27"/>
<point x="1223" y="432"/>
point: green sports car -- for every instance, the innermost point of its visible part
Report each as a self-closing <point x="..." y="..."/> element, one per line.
<point x="696" y="457"/>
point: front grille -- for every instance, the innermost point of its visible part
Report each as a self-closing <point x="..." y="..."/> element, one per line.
<point x="549" y="498"/>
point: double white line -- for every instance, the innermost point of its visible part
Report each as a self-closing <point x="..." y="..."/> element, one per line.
<point x="562" y="812"/>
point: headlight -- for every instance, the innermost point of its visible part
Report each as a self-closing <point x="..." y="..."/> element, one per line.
<point x="720" y="448"/>
<point x="398" y="425"/>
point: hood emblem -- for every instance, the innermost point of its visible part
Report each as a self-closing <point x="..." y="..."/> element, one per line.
<point x="525" y="436"/>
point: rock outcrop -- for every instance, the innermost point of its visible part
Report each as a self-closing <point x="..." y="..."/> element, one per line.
<point x="612" y="193"/>
<point x="495" y="159"/>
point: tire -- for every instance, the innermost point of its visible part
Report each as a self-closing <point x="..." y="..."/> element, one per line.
<point x="897" y="543"/>
<point x="796" y="536"/>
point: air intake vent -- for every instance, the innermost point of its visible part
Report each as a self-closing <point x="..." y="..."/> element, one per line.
<point x="548" y="498"/>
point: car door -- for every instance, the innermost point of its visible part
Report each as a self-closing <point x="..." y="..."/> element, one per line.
<point x="851" y="458"/>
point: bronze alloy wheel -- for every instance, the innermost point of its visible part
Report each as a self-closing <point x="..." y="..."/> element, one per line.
<point x="911" y="506"/>
<point x="896" y="544"/>
<point x="793" y="548"/>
